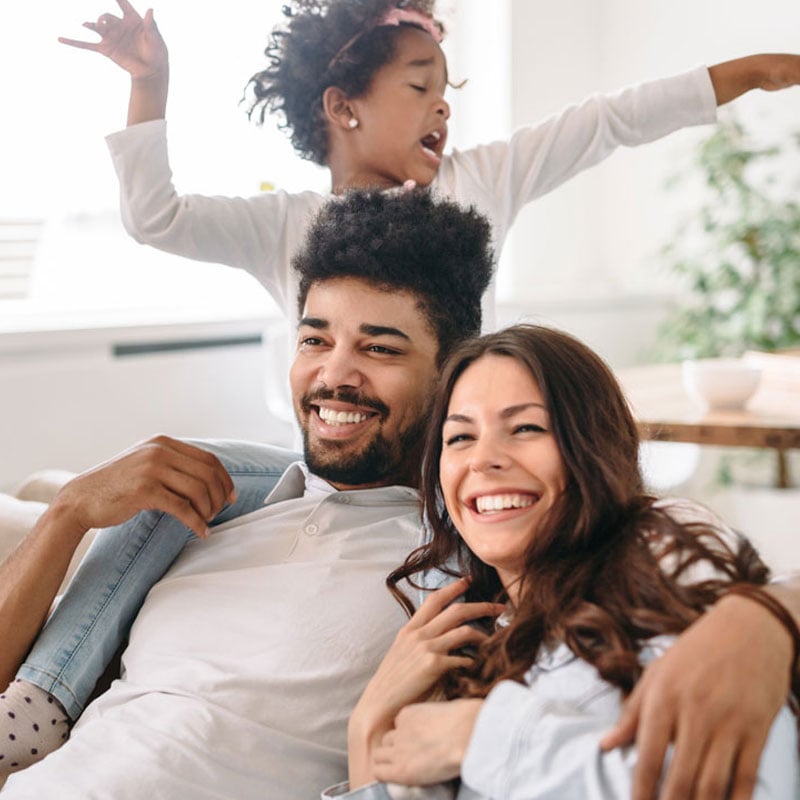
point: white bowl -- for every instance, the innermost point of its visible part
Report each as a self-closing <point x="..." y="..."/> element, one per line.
<point x="721" y="383"/>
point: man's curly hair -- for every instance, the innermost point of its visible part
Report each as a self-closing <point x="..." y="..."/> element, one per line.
<point x="303" y="63"/>
<point x="435" y="249"/>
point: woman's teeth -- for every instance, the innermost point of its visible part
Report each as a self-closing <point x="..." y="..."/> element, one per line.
<point x="501" y="502"/>
<point x="331" y="417"/>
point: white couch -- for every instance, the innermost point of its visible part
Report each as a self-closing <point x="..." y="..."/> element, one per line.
<point x="20" y="510"/>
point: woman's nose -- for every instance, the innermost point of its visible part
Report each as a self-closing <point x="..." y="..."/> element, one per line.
<point x="488" y="454"/>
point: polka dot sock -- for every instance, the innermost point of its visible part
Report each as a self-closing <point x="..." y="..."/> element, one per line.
<point x="32" y="724"/>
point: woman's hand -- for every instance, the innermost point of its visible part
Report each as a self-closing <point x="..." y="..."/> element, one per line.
<point x="423" y="650"/>
<point x="131" y="41"/>
<point x="428" y="743"/>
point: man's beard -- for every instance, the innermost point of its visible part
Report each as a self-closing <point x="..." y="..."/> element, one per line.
<point x="380" y="461"/>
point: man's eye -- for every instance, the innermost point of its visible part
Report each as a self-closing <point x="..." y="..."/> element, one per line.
<point x="418" y="88"/>
<point x="378" y="348"/>
<point x="310" y="341"/>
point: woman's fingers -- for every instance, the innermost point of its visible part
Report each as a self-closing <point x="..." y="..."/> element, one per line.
<point x="437" y="601"/>
<point x="458" y="614"/>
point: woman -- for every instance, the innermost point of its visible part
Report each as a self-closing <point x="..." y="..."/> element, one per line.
<point x="532" y="487"/>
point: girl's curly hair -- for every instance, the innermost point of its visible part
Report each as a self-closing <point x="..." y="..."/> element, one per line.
<point x="322" y="43"/>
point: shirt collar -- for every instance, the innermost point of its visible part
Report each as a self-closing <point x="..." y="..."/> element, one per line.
<point x="298" y="481"/>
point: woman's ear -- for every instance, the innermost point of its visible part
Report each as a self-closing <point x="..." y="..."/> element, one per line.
<point x="337" y="108"/>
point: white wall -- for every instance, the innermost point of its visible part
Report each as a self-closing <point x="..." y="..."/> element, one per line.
<point x="599" y="236"/>
<point x="68" y="402"/>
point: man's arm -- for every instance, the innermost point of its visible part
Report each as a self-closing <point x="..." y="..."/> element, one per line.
<point x="714" y="694"/>
<point x="161" y="473"/>
<point x="768" y="71"/>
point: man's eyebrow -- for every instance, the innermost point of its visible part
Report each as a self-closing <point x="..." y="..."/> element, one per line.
<point x="383" y="330"/>
<point x="313" y="322"/>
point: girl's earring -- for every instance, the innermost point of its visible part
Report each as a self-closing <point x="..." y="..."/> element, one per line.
<point x="352" y="123"/>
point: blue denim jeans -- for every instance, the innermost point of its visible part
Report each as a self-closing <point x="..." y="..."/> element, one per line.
<point x="96" y="612"/>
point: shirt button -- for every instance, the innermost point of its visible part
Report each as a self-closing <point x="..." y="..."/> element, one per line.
<point x="312" y="529"/>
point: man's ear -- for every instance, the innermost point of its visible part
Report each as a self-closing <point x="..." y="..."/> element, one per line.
<point x="337" y="108"/>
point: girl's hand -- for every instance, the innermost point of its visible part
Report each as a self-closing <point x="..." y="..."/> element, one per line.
<point x="133" y="42"/>
<point x="428" y="743"/>
<point x="421" y="653"/>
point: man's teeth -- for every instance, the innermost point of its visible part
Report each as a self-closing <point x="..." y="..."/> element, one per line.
<point x="331" y="417"/>
<point x="500" y="502"/>
<point x="436" y="135"/>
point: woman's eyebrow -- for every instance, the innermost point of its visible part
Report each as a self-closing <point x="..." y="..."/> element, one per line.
<point x="458" y="418"/>
<point x="511" y="411"/>
<point x="518" y="409"/>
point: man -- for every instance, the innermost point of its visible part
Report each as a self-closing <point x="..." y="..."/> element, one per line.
<point x="247" y="656"/>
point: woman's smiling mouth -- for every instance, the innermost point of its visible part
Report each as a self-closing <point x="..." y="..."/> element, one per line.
<point x="493" y="503"/>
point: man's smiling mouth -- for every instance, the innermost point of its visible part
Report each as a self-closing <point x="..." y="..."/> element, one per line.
<point x="335" y="418"/>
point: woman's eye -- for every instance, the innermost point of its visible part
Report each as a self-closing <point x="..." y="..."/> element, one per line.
<point x="530" y="427"/>
<point x="457" y="438"/>
<point x="418" y="88"/>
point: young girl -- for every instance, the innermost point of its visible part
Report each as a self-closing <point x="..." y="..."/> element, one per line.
<point x="360" y="85"/>
<point x="532" y="487"/>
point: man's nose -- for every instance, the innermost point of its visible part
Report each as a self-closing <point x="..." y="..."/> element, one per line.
<point x="340" y="368"/>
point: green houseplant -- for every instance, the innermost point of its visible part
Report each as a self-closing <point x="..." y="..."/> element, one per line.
<point x="738" y="254"/>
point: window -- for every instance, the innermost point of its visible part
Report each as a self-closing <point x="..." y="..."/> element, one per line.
<point x="59" y="217"/>
<point x="59" y="196"/>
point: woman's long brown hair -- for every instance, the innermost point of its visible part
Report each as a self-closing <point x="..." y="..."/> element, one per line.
<point x="606" y="570"/>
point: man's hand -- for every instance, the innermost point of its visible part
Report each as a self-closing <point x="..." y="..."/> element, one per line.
<point x="161" y="473"/>
<point x="714" y="694"/>
<point x="427" y="744"/>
